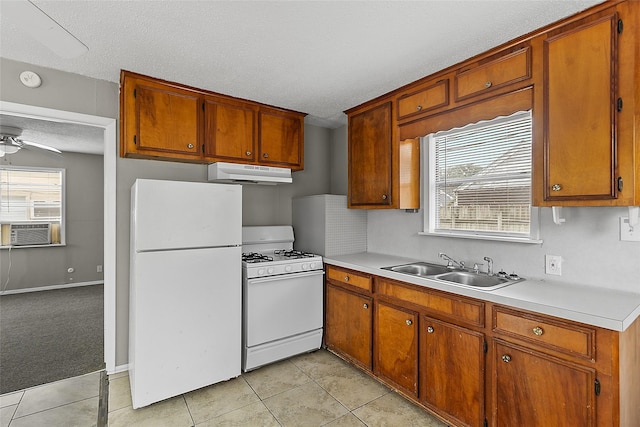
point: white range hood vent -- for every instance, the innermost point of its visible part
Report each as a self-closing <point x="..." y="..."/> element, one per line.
<point x="248" y="174"/>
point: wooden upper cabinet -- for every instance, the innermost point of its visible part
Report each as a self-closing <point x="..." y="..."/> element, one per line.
<point x="169" y="121"/>
<point x="502" y="69"/>
<point x="580" y="76"/>
<point x="370" y="157"/>
<point x="281" y="142"/>
<point x="230" y="130"/>
<point x="159" y="120"/>
<point x="423" y="99"/>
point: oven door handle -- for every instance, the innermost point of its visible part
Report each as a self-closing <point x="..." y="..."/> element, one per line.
<point x="286" y="276"/>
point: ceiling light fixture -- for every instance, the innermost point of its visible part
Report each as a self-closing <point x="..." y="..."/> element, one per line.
<point x="43" y="28"/>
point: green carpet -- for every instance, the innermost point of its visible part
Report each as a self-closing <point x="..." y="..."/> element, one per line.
<point x="50" y="335"/>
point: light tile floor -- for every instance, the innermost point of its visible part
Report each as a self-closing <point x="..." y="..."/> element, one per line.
<point x="314" y="389"/>
<point x="66" y="403"/>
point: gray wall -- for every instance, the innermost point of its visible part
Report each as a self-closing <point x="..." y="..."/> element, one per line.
<point x="84" y="250"/>
<point x="588" y="242"/>
<point x="261" y="205"/>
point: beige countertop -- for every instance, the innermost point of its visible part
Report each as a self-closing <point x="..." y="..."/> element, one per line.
<point x="606" y="308"/>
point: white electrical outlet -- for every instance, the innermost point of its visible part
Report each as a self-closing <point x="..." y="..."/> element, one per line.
<point x="99" y="269"/>
<point x="553" y="265"/>
<point x="626" y="233"/>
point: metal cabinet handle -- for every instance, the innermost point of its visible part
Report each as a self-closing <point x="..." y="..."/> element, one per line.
<point x="487" y="84"/>
<point x="419" y="107"/>
<point x="538" y="331"/>
<point x="506" y="358"/>
<point x="365" y="305"/>
<point x="346" y="278"/>
<point x="189" y="145"/>
<point x="556" y="187"/>
<point x="384" y="197"/>
<point x="248" y="153"/>
<point x="409" y="322"/>
<point x="265" y="155"/>
<point x="429" y="329"/>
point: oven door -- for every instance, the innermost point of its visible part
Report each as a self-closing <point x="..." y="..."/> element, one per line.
<point x="282" y="306"/>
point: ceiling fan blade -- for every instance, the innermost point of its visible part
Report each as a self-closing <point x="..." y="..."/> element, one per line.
<point x="42" y="146"/>
<point x="44" y="29"/>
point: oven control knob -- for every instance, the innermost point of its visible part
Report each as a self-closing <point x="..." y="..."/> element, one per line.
<point x="260" y="271"/>
<point x="305" y="266"/>
<point x="287" y="268"/>
<point x="270" y="270"/>
<point x="312" y="265"/>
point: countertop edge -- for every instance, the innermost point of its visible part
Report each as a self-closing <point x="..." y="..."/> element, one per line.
<point x="371" y="263"/>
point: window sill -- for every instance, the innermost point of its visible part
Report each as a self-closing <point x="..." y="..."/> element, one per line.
<point x="53" y="245"/>
<point x="479" y="237"/>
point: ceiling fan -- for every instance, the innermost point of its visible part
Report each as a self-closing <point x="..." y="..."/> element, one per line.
<point x="11" y="143"/>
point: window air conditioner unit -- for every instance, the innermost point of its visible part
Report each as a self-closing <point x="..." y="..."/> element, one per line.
<point x="31" y="234"/>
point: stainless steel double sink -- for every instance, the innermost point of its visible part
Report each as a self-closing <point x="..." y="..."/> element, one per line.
<point x="453" y="276"/>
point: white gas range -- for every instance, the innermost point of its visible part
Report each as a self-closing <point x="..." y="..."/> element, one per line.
<point x="282" y="294"/>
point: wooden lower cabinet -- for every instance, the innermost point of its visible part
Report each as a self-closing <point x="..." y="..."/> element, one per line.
<point x="452" y="361"/>
<point x="538" y="390"/>
<point x="396" y="346"/>
<point x="348" y="325"/>
<point x="472" y="363"/>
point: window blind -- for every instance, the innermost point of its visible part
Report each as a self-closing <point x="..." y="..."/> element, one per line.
<point x="30" y="195"/>
<point x="482" y="177"/>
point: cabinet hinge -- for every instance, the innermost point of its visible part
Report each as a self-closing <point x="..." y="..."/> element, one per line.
<point x="619" y="105"/>
<point x="134" y="140"/>
<point x="203" y="106"/>
<point x="620" y="26"/>
<point x="202" y="148"/>
<point x="596" y="387"/>
<point x="485" y="346"/>
<point x="134" y="93"/>
<point x="485" y="423"/>
<point x="620" y="183"/>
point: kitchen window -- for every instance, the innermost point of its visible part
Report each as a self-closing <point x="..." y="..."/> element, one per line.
<point x="478" y="181"/>
<point x="31" y="206"/>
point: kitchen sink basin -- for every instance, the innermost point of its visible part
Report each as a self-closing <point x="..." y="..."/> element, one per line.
<point x="423" y="269"/>
<point x="475" y="280"/>
<point x="455" y="277"/>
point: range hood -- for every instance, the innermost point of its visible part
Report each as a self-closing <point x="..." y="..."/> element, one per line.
<point x="248" y="174"/>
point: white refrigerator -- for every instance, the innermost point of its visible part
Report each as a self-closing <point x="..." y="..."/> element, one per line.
<point x="185" y="299"/>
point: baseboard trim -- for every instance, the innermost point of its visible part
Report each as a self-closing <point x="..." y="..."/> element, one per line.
<point x="51" y="287"/>
<point x="119" y="369"/>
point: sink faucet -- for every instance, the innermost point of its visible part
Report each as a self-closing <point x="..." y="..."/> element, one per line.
<point x="451" y="261"/>
<point x="489" y="266"/>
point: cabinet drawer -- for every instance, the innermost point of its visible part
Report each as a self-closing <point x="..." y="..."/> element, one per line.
<point x="433" y="96"/>
<point x="436" y="303"/>
<point x="552" y="333"/>
<point x="348" y="277"/>
<point x="507" y="69"/>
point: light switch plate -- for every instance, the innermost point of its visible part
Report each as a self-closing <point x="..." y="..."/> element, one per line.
<point x="626" y="234"/>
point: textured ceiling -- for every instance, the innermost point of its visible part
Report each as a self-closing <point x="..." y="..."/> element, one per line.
<point x="320" y="58"/>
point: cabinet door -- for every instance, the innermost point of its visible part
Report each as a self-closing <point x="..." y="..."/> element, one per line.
<point x="537" y="390"/>
<point x="348" y="324"/>
<point x="452" y="372"/>
<point x="370" y="157"/>
<point x="396" y="346"/>
<point x="229" y="131"/>
<point x="580" y="112"/>
<point x="281" y="139"/>
<point x="161" y="120"/>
